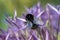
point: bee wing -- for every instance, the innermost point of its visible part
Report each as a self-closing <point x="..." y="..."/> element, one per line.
<point x="29" y="24"/>
<point x="39" y="22"/>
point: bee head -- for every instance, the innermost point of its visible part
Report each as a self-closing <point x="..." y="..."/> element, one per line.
<point x="30" y="17"/>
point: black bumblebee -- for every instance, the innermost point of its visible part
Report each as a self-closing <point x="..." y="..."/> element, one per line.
<point x="30" y="21"/>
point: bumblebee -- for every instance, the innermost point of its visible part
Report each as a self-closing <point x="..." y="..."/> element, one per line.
<point x="30" y="21"/>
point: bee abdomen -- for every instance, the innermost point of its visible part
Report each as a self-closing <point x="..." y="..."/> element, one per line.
<point x="34" y="26"/>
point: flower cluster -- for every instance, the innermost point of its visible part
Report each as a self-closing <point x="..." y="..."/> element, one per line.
<point x="48" y="20"/>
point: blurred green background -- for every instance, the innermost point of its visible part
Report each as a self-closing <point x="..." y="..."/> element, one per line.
<point x="8" y="6"/>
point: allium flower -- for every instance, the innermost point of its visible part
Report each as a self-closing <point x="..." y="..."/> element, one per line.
<point x="32" y="24"/>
